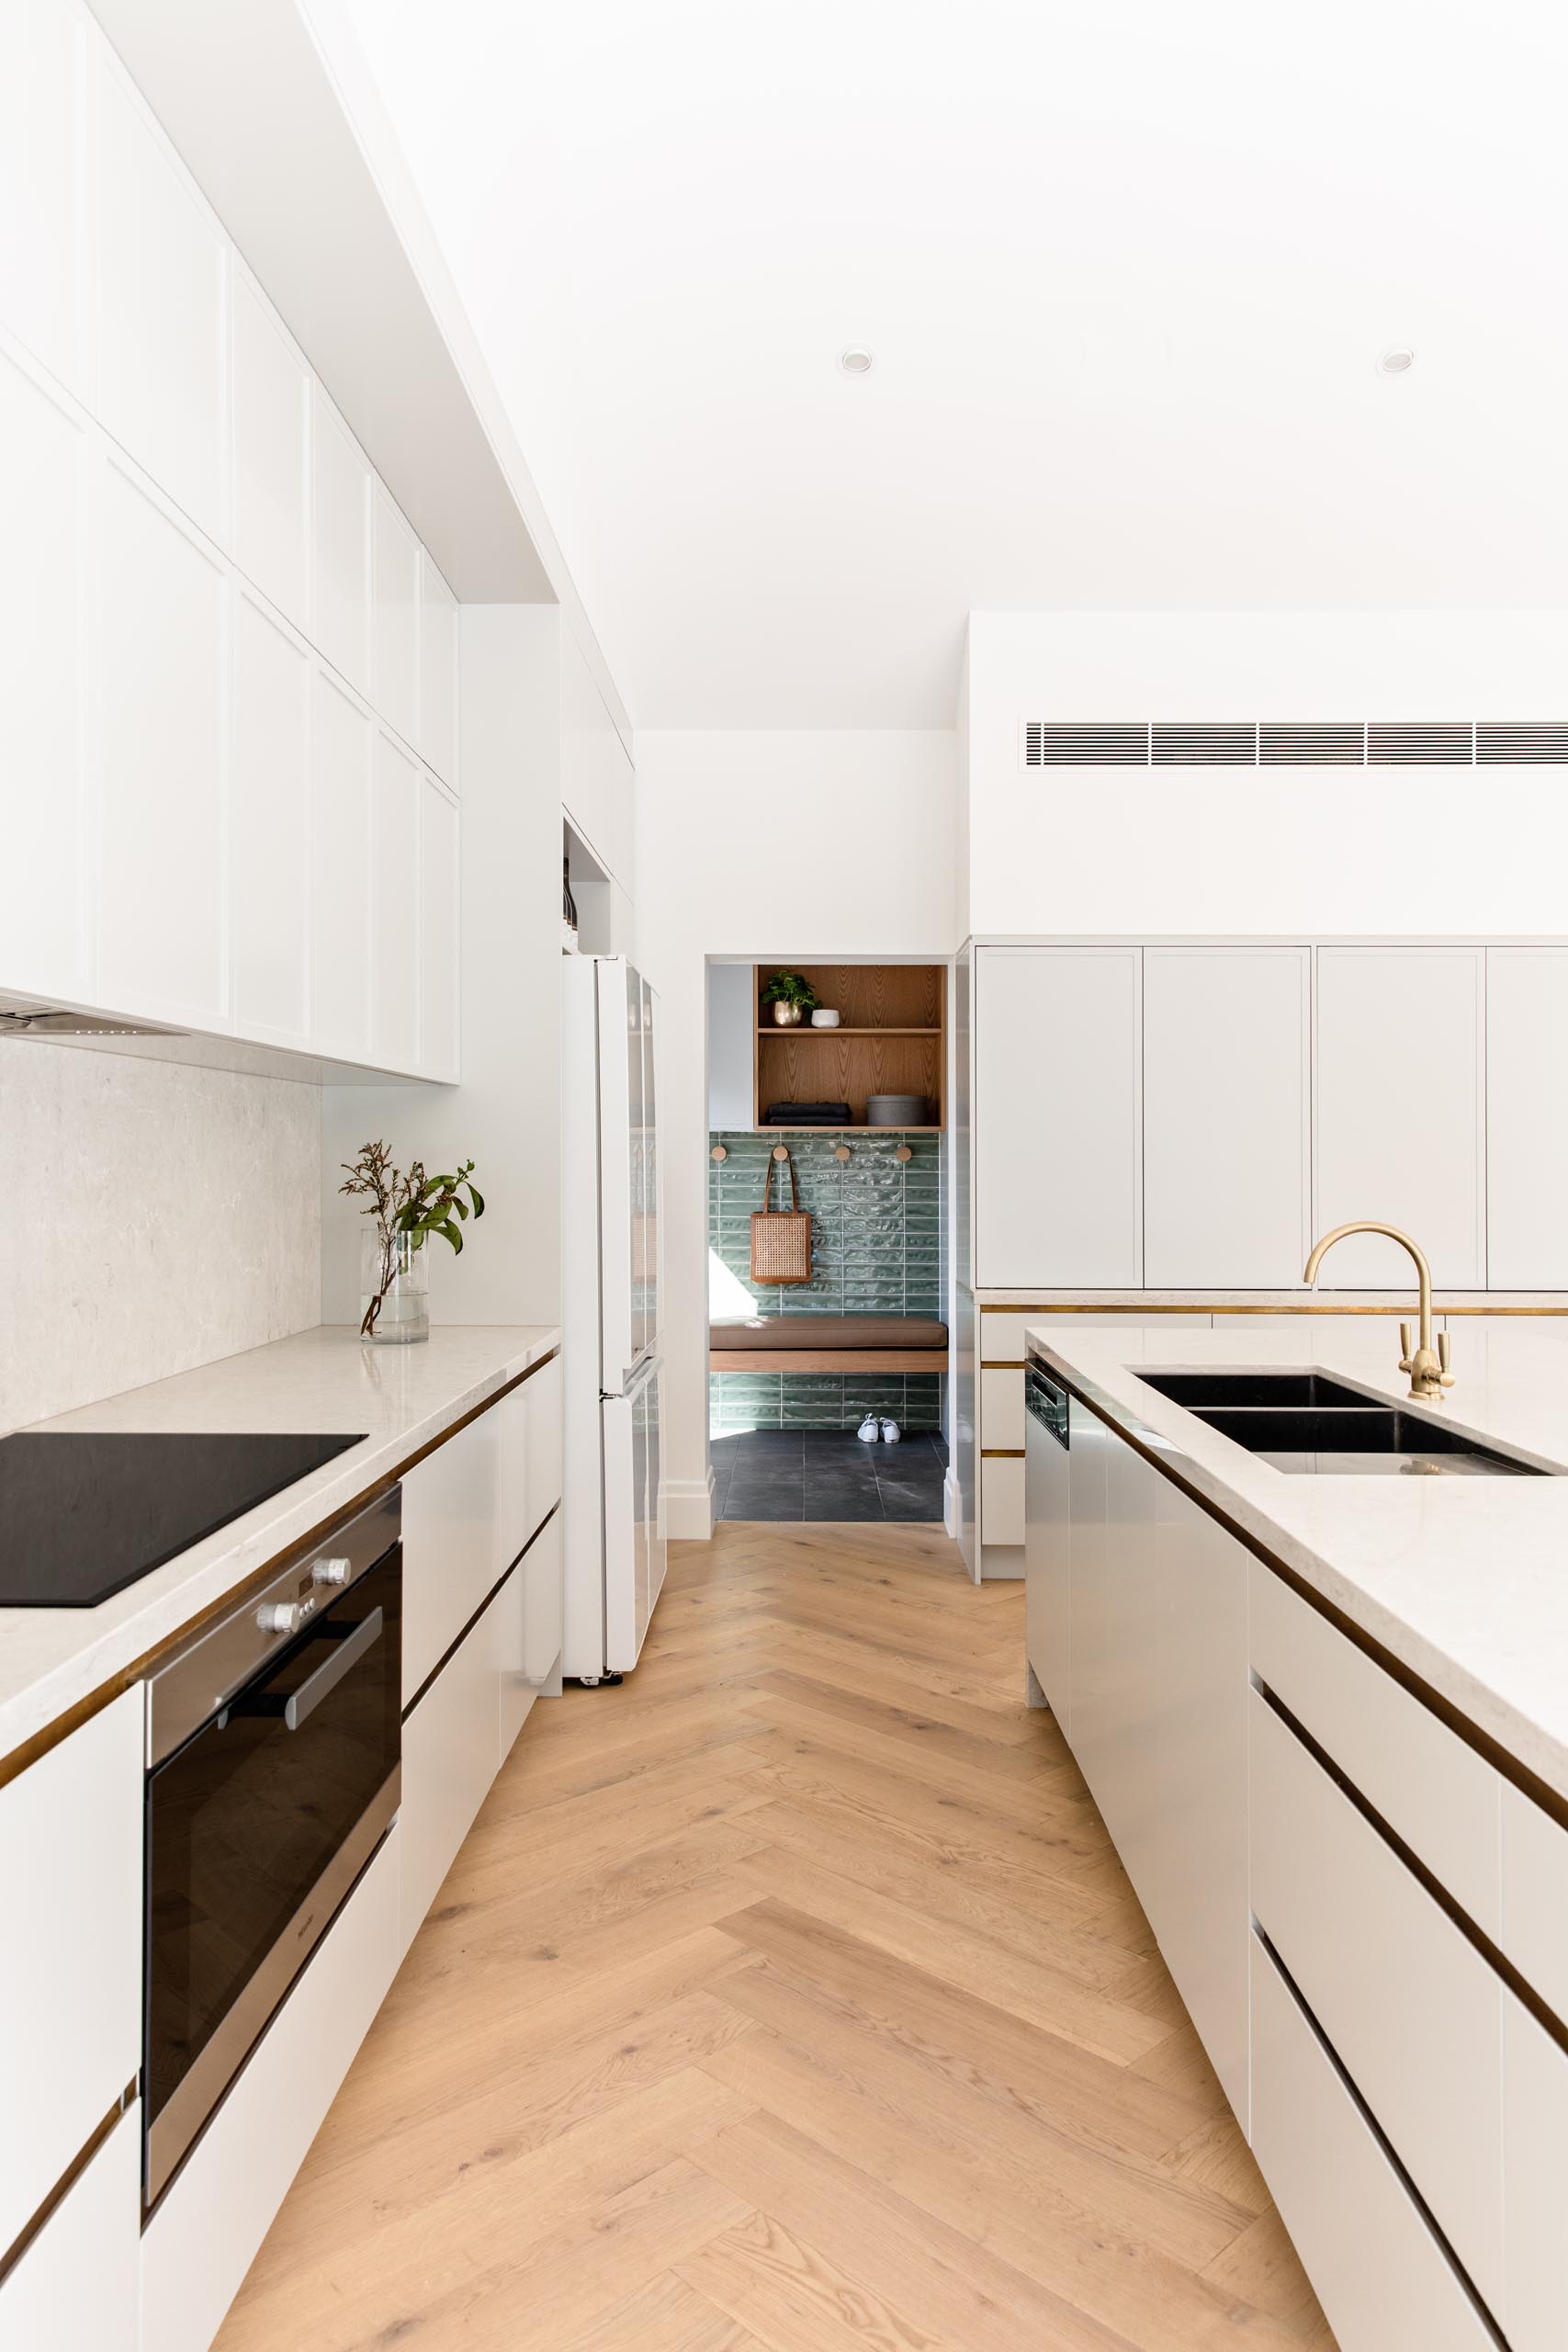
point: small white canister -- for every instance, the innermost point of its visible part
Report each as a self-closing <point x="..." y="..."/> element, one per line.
<point x="824" y="1019"/>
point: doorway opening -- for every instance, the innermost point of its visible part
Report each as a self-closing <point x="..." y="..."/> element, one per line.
<point x="827" y="1333"/>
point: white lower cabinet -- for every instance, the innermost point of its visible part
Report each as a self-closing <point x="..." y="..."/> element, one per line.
<point x="1156" y="1711"/>
<point x="1384" y="2281"/>
<point x="1411" y="2009"/>
<point x="528" y="1609"/>
<point x="1047" y="1560"/>
<point x="450" y="1756"/>
<point x="204" y="2235"/>
<point x="75" y="2287"/>
<point x="451" y="1549"/>
<point x="70" y="1958"/>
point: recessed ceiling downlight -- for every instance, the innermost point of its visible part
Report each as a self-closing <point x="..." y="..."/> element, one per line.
<point x="856" y="360"/>
<point x="1397" y="361"/>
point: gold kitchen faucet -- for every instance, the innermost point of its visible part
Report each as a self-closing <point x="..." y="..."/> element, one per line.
<point x="1430" y="1373"/>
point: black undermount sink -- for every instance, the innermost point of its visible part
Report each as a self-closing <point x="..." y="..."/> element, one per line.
<point x="1292" y="1389"/>
<point x="1311" y="1426"/>
<point x="1377" y="1441"/>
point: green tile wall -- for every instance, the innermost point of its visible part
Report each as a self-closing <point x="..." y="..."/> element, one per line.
<point x="876" y="1248"/>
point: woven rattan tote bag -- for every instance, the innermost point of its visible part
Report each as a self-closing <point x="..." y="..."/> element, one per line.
<point x="780" y="1239"/>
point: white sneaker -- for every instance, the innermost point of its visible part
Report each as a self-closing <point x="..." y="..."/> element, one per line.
<point x="869" y="1430"/>
<point x="889" y="1431"/>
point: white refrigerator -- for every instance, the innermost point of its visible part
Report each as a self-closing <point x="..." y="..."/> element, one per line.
<point x="614" y="1522"/>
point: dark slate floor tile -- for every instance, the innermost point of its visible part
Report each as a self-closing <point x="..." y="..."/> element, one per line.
<point x="857" y="1500"/>
<point x="910" y="1502"/>
<point x="764" y="1499"/>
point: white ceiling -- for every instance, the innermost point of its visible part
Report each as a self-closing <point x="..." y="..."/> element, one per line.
<point x="1126" y="270"/>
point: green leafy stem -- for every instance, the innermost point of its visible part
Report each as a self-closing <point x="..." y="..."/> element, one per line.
<point x="415" y="1205"/>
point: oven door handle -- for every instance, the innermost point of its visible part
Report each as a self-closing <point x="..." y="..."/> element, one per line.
<point x="315" y="1689"/>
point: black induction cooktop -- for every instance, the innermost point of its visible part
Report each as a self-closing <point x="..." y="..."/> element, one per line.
<point x="84" y="1512"/>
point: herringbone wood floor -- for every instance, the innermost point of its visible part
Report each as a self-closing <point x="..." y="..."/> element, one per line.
<point x="788" y="1998"/>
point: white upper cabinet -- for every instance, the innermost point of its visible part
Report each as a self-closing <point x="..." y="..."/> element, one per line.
<point x="1227" y="1093"/>
<point x="341" y="567"/>
<point x="439" y="969"/>
<point x="163" y="737"/>
<point x="1059" y="1196"/>
<point x="162" y="264"/>
<point x="43" y="490"/>
<point x="1400" y="1110"/>
<point x="270" y="825"/>
<point x="395" y="906"/>
<point x="395" y="618"/>
<point x="210" y="600"/>
<point x="438" y="673"/>
<point x="272" y="456"/>
<point x="42" y="61"/>
<point x="341" y="734"/>
<point x="596" y="773"/>
<point x="1527" y="1118"/>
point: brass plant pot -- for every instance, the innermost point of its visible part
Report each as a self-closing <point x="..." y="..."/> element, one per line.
<point x="787" y="1016"/>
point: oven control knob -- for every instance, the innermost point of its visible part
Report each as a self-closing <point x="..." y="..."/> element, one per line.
<point x="330" y="1571"/>
<point x="280" y="1617"/>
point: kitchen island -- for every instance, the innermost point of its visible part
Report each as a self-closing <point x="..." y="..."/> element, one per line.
<point x="1324" y="1711"/>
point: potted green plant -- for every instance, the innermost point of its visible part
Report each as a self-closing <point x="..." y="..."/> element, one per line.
<point x="403" y="1212"/>
<point x="790" y="996"/>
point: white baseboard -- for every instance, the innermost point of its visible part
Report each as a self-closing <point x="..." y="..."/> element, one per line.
<point x="951" y="1503"/>
<point x="688" y="1509"/>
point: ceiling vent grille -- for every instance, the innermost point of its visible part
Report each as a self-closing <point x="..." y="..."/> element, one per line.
<point x="1279" y="743"/>
<point x="1499" y="745"/>
<point x="1321" y="743"/>
<point x="1098" y="744"/>
<point x="1439" y="743"/>
<point x="1190" y="743"/>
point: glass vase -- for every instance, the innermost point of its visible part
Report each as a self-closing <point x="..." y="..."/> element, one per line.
<point x="394" y="1288"/>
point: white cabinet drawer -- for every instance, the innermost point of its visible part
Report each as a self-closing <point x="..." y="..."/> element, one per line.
<point x="202" y="2239"/>
<point x="77" y="2285"/>
<point x="1435" y="1793"/>
<point x="71" y="1959"/>
<point x="1535" y="1899"/>
<point x="528" y="1447"/>
<point x="1001" y="1408"/>
<point x="1534" y="2180"/>
<point x="1001" y="1501"/>
<point x="451" y="1557"/>
<point x="1002" y="1335"/>
<point x="1385" y="2282"/>
<point x="1410" y="2007"/>
<point x="451" y="1753"/>
<point x="528" y="1611"/>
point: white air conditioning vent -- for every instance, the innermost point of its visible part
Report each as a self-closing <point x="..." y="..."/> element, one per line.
<point x="1049" y="743"/>
<point x="1442" y="743"/>
<point x="1498" y="745"/>
<point x="1321" y="743"/>
<point x="1190" y="743"/>
<point x="1280" y="743"/>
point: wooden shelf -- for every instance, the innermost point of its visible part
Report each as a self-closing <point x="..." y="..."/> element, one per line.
<point x="891" y="1040"/>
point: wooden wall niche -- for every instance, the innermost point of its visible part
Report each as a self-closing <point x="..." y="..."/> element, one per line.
<point x="891" y="1039"/>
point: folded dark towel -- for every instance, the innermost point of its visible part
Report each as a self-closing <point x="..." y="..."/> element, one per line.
<point x="806" y="1115"/>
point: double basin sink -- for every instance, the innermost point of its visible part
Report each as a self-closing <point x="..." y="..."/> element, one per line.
<point x="1310" y="1426"/>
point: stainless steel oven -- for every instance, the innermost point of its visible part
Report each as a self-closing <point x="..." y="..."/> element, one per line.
<point x="273" y="1742"/>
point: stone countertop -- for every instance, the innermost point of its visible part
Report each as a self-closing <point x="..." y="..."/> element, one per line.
<point x="1465" y="1580"/>
<point x="324" y="1380"/>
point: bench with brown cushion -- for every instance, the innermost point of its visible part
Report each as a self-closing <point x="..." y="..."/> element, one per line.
<point x="828" y="1343"/>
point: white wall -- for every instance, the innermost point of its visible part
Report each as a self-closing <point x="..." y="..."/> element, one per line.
<point x="1307" y="850"/>
<point x="505" y="1114"/>
<point x="777" y="846"/>
<point x="162" y="1216"/>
